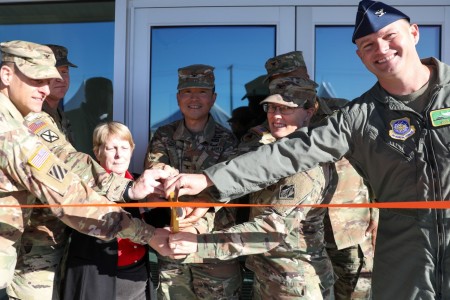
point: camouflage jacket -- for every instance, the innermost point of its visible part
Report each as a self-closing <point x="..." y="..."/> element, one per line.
<point x="61" y="121"/>
<point x="44" y="228"/>
<point x="175" y="145"/>
<point x="348" y="225"/>
<point x="29" y="171"/>
<point x="284" y="241"/>
<point x="343" y="227"/>
<point x="255" y="137"/>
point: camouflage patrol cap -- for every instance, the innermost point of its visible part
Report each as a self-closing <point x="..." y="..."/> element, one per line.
<point x="256" y="87"/>
<point x="33" y="60"/>
<point x="285" y="63"/>
<point x="292" y="92"/>
<point x="61" y="53"/>
<point x="196" y="76"/>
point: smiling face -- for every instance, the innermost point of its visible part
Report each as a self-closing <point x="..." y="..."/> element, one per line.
<point x="195" y="103"/>
<point x="59" y="87"/>
<point x="281" y="125"/>
<point x="390" y="51"/>
<point x="115" y="154"/>
<point x="25" y="93"/>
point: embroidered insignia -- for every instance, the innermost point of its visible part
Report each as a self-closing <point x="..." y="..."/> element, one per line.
<point x="380" y="12"/>
<point x="401" y="129"/>
<point x="36" y="126"/>
<point x="39" y="158"/>
<point x="49" y="136"/>
<point x="57" y="172"/>
<point x="287" y="191"/>
<point x="440" y="117"/>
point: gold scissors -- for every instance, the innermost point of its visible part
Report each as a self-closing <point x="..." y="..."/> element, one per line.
<point x="174" y="224"/>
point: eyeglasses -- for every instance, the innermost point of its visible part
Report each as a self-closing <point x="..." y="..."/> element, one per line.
<point x="284" y="110"/>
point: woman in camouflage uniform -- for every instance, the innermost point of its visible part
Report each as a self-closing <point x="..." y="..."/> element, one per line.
<point x="284" y="241"/>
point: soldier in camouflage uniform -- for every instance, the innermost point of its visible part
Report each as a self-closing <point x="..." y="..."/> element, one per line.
<point x="348" y="232"/>
<point x="29" y="170"/>
<point x="42" y="246"/>
<point x="191" y="145"/>
<point x="284" y="242"/>
<point x="58" y="89"/>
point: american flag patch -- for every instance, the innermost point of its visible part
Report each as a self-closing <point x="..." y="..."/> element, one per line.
<point x="36" y="126"/>
<point x="39" y="158"/>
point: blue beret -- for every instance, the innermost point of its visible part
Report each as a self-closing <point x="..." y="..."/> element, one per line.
<point x="374" y="15"/>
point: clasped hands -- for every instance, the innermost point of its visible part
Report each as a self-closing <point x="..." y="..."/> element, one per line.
<point x="163" y="182"/>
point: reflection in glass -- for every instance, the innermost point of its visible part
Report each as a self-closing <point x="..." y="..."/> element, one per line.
<point x="238" y="54"/>
<point x="339" y="71"/>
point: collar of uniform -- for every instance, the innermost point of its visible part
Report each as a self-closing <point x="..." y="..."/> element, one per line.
<point x="7" y="106"/>
<point x="381" y="95"/>
<point x="182" y="133"/>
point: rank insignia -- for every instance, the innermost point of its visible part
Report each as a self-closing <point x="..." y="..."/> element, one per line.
<point x="440" y="117"/>
<point x="49" y="136"/>
<point x="287" y="191"/>
<point x="401" y="129"/>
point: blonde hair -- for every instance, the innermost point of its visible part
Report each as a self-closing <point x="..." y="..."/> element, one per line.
<point x="104" y="130"/>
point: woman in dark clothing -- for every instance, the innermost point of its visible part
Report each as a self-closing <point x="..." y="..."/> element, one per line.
<point x="117" y="269"/>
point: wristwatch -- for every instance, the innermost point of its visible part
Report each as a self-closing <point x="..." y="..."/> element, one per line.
<point x="126" y="196"/>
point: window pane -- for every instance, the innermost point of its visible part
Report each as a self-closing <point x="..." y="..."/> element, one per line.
<point x="91" y="48"/>
<point x="238" y="54"/>
<point x="339" y="71"/>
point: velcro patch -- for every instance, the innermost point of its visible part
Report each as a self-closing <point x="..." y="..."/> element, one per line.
<point x="57" y="172"/>
<point x="440" y="117"/>
<point x="49" y="136"/>
<point x="36" y="126"/>
<point x="287" y="192"/>
<point x="39" y="158"/>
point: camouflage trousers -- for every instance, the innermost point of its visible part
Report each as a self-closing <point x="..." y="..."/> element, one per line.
<point x="268" y="289"/>
<point x="8" y="259"/>
<point x="204" y="281"/>
<point x="354" y="273"/>
<point x="36" y="276"/>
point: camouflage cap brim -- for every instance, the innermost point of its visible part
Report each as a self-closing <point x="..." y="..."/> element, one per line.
<point x="34" y="60"/>
<point x="34" y="71"/>
<point x="278" y="99"/>
<point x="192" y="84"/>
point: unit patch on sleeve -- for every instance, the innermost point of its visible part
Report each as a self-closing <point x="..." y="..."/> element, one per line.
<point x="49" y="136"/>
<point x="57" y="172"/>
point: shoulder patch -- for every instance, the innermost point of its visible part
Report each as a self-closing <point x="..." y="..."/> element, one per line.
<point x="39" y="158"/>
<point x="49" y="136"/>
<point x="36" y="126"/>
<point x="57" y="172"/>
<point x="287" y="191"/>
